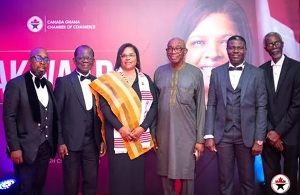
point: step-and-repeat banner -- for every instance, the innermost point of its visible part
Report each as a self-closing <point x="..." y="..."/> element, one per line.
<point x="205" y="25"/>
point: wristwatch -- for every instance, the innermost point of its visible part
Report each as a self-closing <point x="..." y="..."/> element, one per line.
<point x="259" y="142"/>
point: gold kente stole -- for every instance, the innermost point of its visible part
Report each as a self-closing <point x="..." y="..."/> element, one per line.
<point x="127" y="107"/>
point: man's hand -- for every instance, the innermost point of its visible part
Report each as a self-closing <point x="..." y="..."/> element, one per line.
<point x="210" y="144"/>
<point x="198" y="150"/>
<point x="279" y="145"/>
<point x="273" y="136"/>
<point x="62" y="151"/>
<point x="16" y="157"/>
<point x="102" y="149"/>
<point x="256" y="149"/>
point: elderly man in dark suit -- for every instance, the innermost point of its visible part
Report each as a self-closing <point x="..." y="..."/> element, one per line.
<point x="236" y="117"/>
<point x="80" y="140"/>
<point x="30" y="121"/>
<point x="283" y="86"/>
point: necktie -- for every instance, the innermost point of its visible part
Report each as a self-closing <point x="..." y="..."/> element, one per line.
<point x="85" y="77"/>
<point x="235" y="68"/>
<point x="40" y="82"/>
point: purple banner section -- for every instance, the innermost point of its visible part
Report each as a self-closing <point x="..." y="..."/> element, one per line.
<point x="6" y="168"/>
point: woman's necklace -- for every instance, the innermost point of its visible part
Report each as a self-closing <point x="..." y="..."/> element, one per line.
<point x="130" y="77"/>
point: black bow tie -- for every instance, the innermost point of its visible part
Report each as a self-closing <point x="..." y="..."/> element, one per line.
<point x="40" y="82"/>
<point x="235" y="68"/>
<point x="85" y="77"/>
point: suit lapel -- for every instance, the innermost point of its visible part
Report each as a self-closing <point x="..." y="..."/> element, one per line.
<point x="32" y="97"/>
<point x="94" y="101"/>
<point x="224" y="77"/>
<point x="77" y="88"/>
<point x="270" y="79"/>
<point x="246" y="74"/>
<point x="283" y="72"/>
<point x="50" y="93"/>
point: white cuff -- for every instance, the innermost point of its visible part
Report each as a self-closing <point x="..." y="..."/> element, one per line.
<point x="208" y="136"/>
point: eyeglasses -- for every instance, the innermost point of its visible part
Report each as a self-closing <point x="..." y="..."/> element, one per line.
<point x="276" y="44"/>
<point x="176" y="49"/>
<point x="127" y="56"/>
<point x="83" y="58"/>
<point x="39" y="58"/>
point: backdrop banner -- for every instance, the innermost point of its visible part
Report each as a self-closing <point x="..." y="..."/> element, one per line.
<point x="205" y="25"/>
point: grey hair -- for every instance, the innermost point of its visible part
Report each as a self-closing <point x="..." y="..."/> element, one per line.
<point x="272" y="34"/>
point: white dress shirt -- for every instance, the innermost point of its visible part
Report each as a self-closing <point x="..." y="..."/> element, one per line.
<point x="42" y="92"/>
<point x="276" y="70"/>
<point x="87" y="94"/>
<point x="235" y="75"/>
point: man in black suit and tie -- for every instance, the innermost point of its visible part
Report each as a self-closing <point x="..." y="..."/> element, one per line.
<point x="283" y="86"/>
<point x="236" y="117"/>
<point x="30" y="121"/>
<point x="80" y="141"/>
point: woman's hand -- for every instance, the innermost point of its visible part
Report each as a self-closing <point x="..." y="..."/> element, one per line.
<point x="136" y="133"/>
<point x="125" y="133"/>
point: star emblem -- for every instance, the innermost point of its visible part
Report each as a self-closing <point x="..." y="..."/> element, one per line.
<point x="280" y="186"/>
<point x="35" y="24"/>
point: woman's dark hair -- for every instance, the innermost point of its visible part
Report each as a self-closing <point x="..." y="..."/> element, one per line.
<point x="121" y="50"/>
<point x="197" y="10"/>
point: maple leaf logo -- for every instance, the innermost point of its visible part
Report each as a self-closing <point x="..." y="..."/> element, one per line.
<point x="35" y="21"/>
<point x="280" y="180"/>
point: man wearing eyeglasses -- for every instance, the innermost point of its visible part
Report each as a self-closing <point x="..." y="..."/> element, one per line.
<point x="179" y="131"/>
<point x="30" y="121"/>
<point x="283" y="86"/>
<point x="80" y="141"/>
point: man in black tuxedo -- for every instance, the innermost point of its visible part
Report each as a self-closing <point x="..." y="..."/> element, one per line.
<point x="236" y="117"/>
<point x="283" y="86"/>
<point x="30" y="121"/>
<point x="80" y="141"/>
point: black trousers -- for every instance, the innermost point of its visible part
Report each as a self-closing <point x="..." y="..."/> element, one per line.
<point x="271" y="162"/>
<point x="31" y="178"/>
<point x="85" y="161"/>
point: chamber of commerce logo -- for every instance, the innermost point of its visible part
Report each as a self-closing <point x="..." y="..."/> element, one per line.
<point x="35" y="24"/>
<point x="280" y="183"/>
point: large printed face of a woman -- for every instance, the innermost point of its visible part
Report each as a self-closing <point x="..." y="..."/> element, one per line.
<point x="207" y="43"/>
